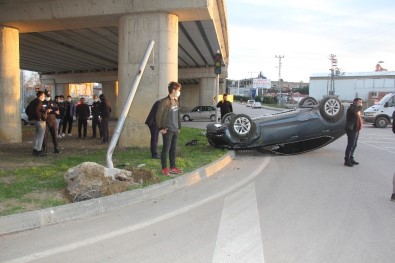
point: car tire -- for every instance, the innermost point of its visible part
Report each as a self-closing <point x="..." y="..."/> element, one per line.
<point x="331" y="108"/>
<point x="381" y="122"/>
<point x="212" y="118"/>
<point x="227" y="117"/>
<point x="241" y="125"/>
<point x="308" y="101"/>
<point x="186" y="118"/>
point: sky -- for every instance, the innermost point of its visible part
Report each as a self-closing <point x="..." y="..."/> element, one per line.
<point x="306" y="32"/>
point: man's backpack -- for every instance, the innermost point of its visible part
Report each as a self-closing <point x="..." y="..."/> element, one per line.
<point x="30" y="110"/>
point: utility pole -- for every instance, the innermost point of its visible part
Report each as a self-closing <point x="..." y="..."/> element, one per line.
<point x="333" y="68"/>
<point x="279" y="73"/>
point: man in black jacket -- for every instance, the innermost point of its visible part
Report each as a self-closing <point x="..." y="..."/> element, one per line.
<point x="51" y="123"/>
<point x="225" y="106"/>
<point x="39" y="115"/>
<point x="353" y="126"/>
<point x="151" y="123"/>
<point x="82" y="113"/>
<point x="95" y="116"/>
<point x="104" y="111"/>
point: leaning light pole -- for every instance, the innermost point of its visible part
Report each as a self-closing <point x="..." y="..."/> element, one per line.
<point x="126" y="107"/>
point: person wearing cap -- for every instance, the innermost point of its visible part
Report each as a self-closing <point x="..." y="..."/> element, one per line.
<point x="82" y="113"/>
<point x="225" y="106"/>
<point x="51" y="126"/>
<point x="104" y="112"/>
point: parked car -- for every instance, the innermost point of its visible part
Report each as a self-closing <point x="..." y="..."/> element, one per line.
<point x="303" y="129"/>
<point x="250" y="102"/>
<point x="380" y="115"/>
<point x="25" y="119"/>
<point x="256" y="105"/>
<point x="200" y="113"/>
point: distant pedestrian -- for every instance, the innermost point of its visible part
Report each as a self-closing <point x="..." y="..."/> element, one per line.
<point x="169" y="124"/>
<point x="151" y="123"/>
<point x="225" y="106"/>
<point x="82" y="113"/>
<point x="95" y="110"/>
<point x="353" y="126"/>
<point x="68" y="116"/>
<point x="39" y="115"/>
<point x="104" y="111"/>
<point x="393" y="180"/>
<point x="60" y="117"/>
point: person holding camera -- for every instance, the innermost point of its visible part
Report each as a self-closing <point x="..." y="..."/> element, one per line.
<point x="51" y="123"/>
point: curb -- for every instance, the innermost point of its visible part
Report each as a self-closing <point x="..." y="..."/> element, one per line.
<point x="54" y="215"/>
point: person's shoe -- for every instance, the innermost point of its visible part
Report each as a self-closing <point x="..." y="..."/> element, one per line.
<point x="56" y="150"/>
<point x="63" y="135"/>
<point x="393" y="197"/>
<point x="93" y="137"/>
<point x="165" y="171"/>
<point x="348" y="164"/>
<point x="70" y="135"/>
<point x="175" y="170"/>
<point x="354" y="162"/>
<point x="60" y="136"/>
<point x="41" y="154"/>
<point x="35" y="152"/>
<point x="156" y="156"/>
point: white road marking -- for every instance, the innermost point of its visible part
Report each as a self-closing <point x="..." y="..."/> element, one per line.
<point x="239" y="236"/>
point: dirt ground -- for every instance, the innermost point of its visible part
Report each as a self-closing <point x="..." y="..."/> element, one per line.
<point x="18" y="155"/>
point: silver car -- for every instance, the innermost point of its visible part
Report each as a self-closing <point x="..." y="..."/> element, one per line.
<point x="200" y="113"/>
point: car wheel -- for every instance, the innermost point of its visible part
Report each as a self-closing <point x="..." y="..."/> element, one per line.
<point x="307" y="101"/>
<point x="331" y="108"/>
<point x="381" y="122"/>
<point x="212" y="118"/>
<point x="227" y="117"/>
<point x="241" y="125"/>
<point x="186" y="118"/>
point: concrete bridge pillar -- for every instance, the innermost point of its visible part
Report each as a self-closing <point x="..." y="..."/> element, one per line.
<point x="207" y="91"/>
<point x="135" y="33"/>
<point x="110" y="90"/>
<point x="10" y="91"/>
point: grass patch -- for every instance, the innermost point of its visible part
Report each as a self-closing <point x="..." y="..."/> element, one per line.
<point x="40" y="183"/>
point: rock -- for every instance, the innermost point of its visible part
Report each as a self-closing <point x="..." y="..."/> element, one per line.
<point x="91" y="180"/>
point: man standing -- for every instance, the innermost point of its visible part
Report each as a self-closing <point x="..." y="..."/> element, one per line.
<point x="50" y="120"/>
<point x="82" y="113"/>
<point x="95" y="116"/>
<point x="393" y="179"/>
<point x="104" y="112"/>
<point x="69" y="113"/>
<point x="151" y="123"/>
<point x="39" y="115"/>
<point x="168" y="122"/>
<point x="225" y="106"/>
<point x="353" y="126"/>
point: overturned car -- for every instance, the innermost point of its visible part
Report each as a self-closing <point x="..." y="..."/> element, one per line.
<point x="310" y="126"/>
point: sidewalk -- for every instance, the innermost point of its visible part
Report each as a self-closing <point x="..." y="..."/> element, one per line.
<point x="36" y="219"/>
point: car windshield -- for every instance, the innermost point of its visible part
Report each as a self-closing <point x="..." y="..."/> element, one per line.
<point x="384" y="99"/>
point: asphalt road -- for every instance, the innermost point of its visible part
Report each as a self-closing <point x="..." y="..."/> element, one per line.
<point x="302" y="208"/>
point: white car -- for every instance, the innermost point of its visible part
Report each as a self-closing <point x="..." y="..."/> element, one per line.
<point x="200" y="113"/>
<point x="250" y="102"/>
<point x="25" y="119"/>
<point x="256" y="105"/>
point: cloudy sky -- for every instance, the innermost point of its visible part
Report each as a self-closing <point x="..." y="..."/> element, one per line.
<point x="359" y="32"/>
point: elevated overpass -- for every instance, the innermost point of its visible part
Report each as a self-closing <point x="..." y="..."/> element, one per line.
<point x="104" y="41"/>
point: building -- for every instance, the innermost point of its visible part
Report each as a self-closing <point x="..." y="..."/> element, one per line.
<point x="369" y="86"/>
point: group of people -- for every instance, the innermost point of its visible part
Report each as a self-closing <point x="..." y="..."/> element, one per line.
<point x="53" y="117"/>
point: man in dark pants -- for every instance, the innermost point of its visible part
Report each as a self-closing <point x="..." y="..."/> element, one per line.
<point x="51" y="125"/>
<point x="95" y="116"/>
<point x="353" y="126"/>
<point x="104" y="112"/>
<point x="169" y="124"/>
<point x="82" y="113"/>
<point x="225" y="106"/>
<point x="69" y="113"/>
<point x="153" y="130"/>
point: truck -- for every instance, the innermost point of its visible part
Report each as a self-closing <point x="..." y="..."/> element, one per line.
<point x="380" y="114"/>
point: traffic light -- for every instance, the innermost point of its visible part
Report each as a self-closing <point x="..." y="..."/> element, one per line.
<point x="217" y="63"/>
